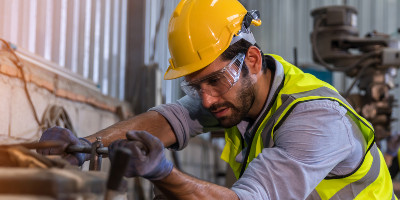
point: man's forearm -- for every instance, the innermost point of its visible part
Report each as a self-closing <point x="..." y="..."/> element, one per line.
<point x="178" y="185"/>
<point x="151" y="121"/>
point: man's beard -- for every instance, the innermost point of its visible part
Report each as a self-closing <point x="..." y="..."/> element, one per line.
<point x="245" y="98"/>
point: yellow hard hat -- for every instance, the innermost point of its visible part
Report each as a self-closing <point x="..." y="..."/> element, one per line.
<point x="201" y="30"/>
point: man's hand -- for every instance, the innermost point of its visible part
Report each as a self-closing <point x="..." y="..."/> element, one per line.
<point x="148" y="159"/>
<point x="67" y="138"/>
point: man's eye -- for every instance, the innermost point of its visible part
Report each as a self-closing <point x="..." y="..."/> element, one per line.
<point x="213" y="81"/>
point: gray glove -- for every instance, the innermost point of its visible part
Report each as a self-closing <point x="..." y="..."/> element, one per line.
<point x="147" y="160"/>
<point x="67" y="138"/>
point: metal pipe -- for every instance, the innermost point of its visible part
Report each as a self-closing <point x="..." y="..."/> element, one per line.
<point x="86" y="149"/>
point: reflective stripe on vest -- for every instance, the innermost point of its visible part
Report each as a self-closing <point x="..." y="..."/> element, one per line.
<point x="375" y="184"/>
<point x="303" y="88"/>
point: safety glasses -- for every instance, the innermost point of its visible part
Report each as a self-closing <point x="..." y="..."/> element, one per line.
<point x="217" y="83"/>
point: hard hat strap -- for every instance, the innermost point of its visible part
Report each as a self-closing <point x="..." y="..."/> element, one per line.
<point x="248" y="36"/>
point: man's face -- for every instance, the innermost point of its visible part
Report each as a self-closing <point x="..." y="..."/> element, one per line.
<point x="231" y="107"/>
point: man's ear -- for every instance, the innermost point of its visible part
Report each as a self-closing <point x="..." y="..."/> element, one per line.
<point x="254" y="60"/>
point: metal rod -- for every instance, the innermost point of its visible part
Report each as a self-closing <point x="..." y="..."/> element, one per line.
<point x="95" y="158"/>
<point x="85" y="149"/>
<point x="37" y="145"/>
<point x="55" y="144"/>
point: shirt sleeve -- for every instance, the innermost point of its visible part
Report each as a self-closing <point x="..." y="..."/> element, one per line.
<point x="315" y="138"/>
<point x="187" y="118"/>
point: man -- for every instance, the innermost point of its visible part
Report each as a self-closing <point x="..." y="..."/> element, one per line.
<point x="288" y="134"/>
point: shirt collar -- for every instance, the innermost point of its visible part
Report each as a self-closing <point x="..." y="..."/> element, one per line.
<point x="246" y="125"/>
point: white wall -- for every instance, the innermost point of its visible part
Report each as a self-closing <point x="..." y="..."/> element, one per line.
<point x="88" y="110"/>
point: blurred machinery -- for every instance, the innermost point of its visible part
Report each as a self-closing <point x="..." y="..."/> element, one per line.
<point x="372" y="61"/>
<point x="24" y="174"/>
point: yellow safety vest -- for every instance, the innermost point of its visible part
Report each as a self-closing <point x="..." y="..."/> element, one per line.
<point x="398" y="157"/>
<point x="371" y="180"/>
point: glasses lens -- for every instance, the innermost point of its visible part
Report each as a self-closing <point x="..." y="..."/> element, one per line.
<point x="190" y="89"/>
<point x="218" y="83"/>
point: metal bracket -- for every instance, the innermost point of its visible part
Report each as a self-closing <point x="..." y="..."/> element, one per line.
<point x="95" y="157"/>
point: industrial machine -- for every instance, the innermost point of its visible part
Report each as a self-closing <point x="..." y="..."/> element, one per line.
<point x="25" y="174"/>
<point x="372" y="61"/>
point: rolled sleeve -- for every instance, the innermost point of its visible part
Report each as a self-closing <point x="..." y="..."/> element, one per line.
<point x="187" y="118"/>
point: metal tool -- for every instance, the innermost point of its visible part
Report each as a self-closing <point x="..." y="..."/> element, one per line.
<point x="95" y="158"/>
<point x="36" y="145"/>
<point x="116" y="185"/>
<point x="86" y="149"/>
<point x="96" y="151"/>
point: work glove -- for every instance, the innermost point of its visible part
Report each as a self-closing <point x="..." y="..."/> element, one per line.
<point x="66" y="138"/>
<point x="147" y="160"/>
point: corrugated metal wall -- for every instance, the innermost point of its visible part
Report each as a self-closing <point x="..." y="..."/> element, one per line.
<point x="87" y="37"/>
<point x="158" y="13"/>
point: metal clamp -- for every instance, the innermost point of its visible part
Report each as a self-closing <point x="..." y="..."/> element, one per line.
<point x="96" y="152"/>
<point x="96" y="158"/>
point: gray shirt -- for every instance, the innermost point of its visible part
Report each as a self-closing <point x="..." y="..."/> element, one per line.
<point x="318" y="139"/>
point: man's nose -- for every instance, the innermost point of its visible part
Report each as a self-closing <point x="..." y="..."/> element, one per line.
<point x="207" y="100"/>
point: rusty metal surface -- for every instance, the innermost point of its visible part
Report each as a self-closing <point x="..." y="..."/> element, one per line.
<point x="55" y="183"/>
<point x="95" y="158"/>
<point x="96" y="150"/>
<point x="35" y="145"/>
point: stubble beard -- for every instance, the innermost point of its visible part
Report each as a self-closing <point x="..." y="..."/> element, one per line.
<point x="246" y="97"/>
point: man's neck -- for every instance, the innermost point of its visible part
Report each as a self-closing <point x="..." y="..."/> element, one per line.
<point x="262" y="89"/>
